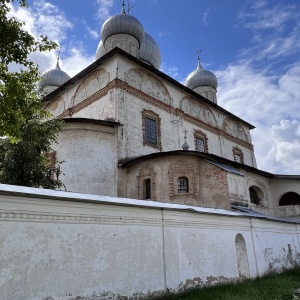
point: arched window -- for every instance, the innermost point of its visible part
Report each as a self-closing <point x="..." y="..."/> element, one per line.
<point x="253" y="196"/>
<point x="147" y="188"/>
<point x="183" y="185"/>
<point x="290" y="198"/>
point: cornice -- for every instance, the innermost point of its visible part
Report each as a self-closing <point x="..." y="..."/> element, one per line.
<point x="39" y="217"/>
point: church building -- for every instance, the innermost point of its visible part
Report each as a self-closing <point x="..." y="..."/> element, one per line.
<point x="134" y="132"/>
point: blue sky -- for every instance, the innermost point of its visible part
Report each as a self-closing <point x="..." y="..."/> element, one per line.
<point x="253" y="47"/>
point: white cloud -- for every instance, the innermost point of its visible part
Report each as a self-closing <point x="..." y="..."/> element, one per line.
<point x="43" y="18"/>
<point x="265" y="102"/>
<point x="76" y="62"/>
<point x="265" y="15"/>
<point x="47" y="19"/>
<point x="163" y="34"/>
<point x="171" y="71"/>
<point x="286" y="146"/>
<point x="94" y="34"/>
<point x="205" y="16"/>
<point x="276" y="30"/>
<point x="103" y="12"/>
<point x="255" y="89"/>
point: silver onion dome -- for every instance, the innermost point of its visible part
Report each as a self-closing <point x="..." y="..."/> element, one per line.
<point x="100" y="50"/>
<point x="122" y="24"/>
<point x="150" y="51"/>
<point x="54" y="77"/>
<point x="201" y="77"/>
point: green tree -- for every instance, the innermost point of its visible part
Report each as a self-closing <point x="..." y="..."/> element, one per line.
<point x="24" y="152"/>
<point x="20" y="97"/>
<point x="27" y="162"/>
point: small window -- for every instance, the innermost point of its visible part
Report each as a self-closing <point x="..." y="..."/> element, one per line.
<point x="151" y="131"/>
<point x="200" y="141"/>
<point x="147" y="188"/>
<point x="183" y="185"/>
<point x="200" y="144"/>
<point x="238" y="155"/>
<point x="237" y="158"/>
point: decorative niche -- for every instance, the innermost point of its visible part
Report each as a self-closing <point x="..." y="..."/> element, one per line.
<point x="183" y="181"/>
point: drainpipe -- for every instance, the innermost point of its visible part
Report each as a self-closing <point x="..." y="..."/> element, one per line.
<point x="296" y="225"/>
<point x="254" y="250"/>
<point x="163" y="250"/>
<point x="220" y="143"/>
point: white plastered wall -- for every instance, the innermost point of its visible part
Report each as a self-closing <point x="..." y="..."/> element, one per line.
<point x="67" y="249"/>
<point x="89" y="155"/>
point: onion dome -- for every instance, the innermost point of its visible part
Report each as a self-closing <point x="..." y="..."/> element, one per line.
<point x="122" y="24"/>
<point x="53" y="78"/>
<point x="150" y="52"/>
<point x="201" y="77"/>
<point x="100" y="51"/>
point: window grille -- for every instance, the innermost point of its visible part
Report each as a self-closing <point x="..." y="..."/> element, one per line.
<point x="200" y="145"/>
<point x="150" y="131"/>
<point x="237" y="157"/>
<point x="183" y="185"/>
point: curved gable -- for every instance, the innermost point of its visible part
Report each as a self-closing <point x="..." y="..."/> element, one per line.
<point x="91" y="84"/>
<point x="57" y="106"/>
<point x="148" y="84"/>
<point x="198" y="110"/>
<point x="235" y="129"/>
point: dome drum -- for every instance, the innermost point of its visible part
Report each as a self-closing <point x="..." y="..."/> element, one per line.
<point x="207" y="92"/>
<point x="128" y="44"/>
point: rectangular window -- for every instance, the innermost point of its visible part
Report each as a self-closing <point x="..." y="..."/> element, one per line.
<point x="150" y="131"/>
<point x="237" y="158"/>
<point x="183" y="185"/>
<point x="238" y="155"/>
<point x="147" y="188"/>
<point x="200" y="145"/>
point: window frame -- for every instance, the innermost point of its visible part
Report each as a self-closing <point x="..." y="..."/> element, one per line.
<point x="199" y="135"/>
<point x="182" y="185"/>
<point x="151" y="130"/>
<point x="146" y="173"/>
<point x="237" y="152"/>
<point x="150" y="115"/>
<point x="147" y="188"/>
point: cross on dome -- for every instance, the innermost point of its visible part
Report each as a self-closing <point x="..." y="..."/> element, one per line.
<point x="123" y="7"/>
<point x="58" y="57"/>
<point x="198" y="56"/>
<point x="124" y="12"/>
<point x="185" y="146"/>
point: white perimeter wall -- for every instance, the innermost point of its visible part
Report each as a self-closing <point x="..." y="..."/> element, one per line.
<point x="65" y="249"/>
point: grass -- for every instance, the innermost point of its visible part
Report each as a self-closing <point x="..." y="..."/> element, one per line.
<point x="270" y="287"/>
